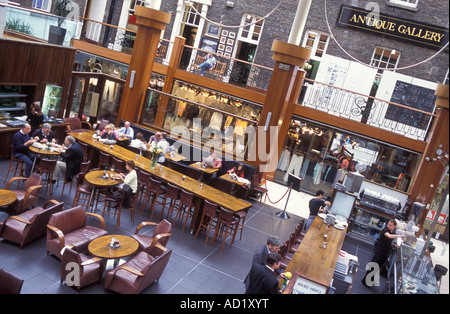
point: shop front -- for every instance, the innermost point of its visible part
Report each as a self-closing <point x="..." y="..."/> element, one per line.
<point x="323" y="154"/>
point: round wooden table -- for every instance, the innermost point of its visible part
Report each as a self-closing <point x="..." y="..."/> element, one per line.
<point x="100" y="247"/>
<point x="96" y="179"/>
<point x="42" y="151"/>
<point x="7" y="197"/>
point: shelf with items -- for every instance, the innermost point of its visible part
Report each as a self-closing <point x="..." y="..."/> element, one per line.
<point x="52" y="100"/>
<point x="12" y="104"/>
<point x="366" y="223"/>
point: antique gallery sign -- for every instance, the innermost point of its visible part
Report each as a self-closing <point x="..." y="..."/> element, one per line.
<point x="416" y="32"/>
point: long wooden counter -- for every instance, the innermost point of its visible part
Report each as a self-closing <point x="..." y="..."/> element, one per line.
<point x="313" y="261"/>
<point x="168" y="175"/>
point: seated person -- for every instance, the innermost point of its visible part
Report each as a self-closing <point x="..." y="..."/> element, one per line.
<point x="155" y="138"/>
<point x="163" y="145"/>
<point x="126" y="130"/>
<point x="21" y="142"/>
<point x="129" y="186"/>
<point x="212" y="161"/>
<point x="209" y="64"/>
<point x="72" y="154"/>
<point x="238" y="170"/>
<point x="139" y="142"/>
<point x="45" y="134"/>
<point x="109" y="134"/>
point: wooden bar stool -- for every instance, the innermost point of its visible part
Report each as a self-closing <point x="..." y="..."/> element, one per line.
<point x="209" y="219"/>
<point x="46" y="168"/>
<point x="172" y="193"/>
<point x="226" y="226"/>
<point x="83" y="168"/>
<point x="156" y="190"/>
<point x="83" y="193"/>
<point x="103" y="161"/>
<point x="16" y="166"/>
<point x="186" y="208"/>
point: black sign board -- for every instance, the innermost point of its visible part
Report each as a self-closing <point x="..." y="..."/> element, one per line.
<point x="419" y="33"/>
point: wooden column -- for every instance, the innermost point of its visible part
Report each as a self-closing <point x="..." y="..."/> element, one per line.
<point x="150" y="24"/>
<point x="280" y="100"/>
<point x="175" y="59"/>
<point x="430" y="169"/>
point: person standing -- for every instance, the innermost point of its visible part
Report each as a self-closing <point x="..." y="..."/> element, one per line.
<point x="21" y="142"/>
<point x="272" y="245"/>
<point x="382" y="248"/>
<point x="263" y="278"/>
<point x="72" y="154"/>
<point x="35" y="118"/>
<point x="315" y="207"/>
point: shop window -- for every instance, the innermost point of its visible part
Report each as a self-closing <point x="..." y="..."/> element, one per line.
<point x="45" y="5"/>
<point x="385" y="58"/>
<point x="317" y="42"/>
<point x="322" y="156"/>
<point x="209" y="118"/>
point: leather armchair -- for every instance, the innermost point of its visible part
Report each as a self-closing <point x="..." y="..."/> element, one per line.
<point x="139" y="272"/>
<point x="9" y="284"/>
<point x="30" y="225"/>
<point x="69" y="227"/>
<point x="76" y="125"/>
<point x="27" y="197"/>
<point x="160" y="235"/>
<point x="90" y="269"/>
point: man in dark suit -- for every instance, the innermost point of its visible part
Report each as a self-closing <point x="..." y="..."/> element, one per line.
<point x="72" y="154"/>
<point x="263" y="279"/>
<point x="272" y="245"/>
<point x="21" y="142"/>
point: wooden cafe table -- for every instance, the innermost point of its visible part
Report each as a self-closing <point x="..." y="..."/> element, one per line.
<point x="96" y="179"/>
<point x="200" y="191"/>
<point x="41" y="150"/>
<point x="100" y="247"/>
<point x="7" y="197"/>
<point x="313" y="261"/>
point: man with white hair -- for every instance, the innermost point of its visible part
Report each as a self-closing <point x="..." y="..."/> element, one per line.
<point x="45" y="134"/>
<point x="126" y="130"/>
<point x="72" y="154"/>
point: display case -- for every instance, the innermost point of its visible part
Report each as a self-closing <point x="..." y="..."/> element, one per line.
<point x="414" y="274"/>
<point x="52" y="100"/>
<point x="12" y="102"/>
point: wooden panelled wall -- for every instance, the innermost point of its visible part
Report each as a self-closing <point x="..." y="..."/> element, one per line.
<point x="36" y="64"/>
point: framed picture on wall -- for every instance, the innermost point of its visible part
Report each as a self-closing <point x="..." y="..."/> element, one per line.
<point x="221" y="47"/>
<point x="232" y="34"/>
<point x="223" y="39"/>
<point x="229" y="49"/>
<point x="230" y="42"/>
<point x="225" y="33"/>
<point x="213" y="30"/>
<point x="209" y="44"/>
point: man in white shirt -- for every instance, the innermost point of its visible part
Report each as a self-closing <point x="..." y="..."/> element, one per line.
<point x="126" y="130"/>
<point x="210" y="63"/>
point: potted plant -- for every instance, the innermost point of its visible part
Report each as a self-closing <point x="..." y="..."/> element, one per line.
<point x="61" y="8"/>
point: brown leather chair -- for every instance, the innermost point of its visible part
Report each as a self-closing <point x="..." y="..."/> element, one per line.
<point x="9" y="284"/>
<point x="160" y="235"/>
<point x="90" y="269"/>
<point x="28" y="196"/>
<point x="76" y="125"/>
<point x="69" y="227"/>
<point x="139" y="272"/>
<point x="30" y="225"/>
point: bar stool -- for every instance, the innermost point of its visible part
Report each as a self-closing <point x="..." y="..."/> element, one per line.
<point x="85" y="148"/>
<point x="241" y="215"/>
<point x="144" y="178"/>
<point x="172" y="193"/>
<point x="285" y="257"/>
<point x="226" y="226"/>
<point x="83" y="193"/>
<point x="113" y="207"/>
<point x="16" y="166"/>
<point x="46" y="168"/>
<point x="83" y="168"/>
<point x="156" y="190"/>
<point x="118" y="164"/>
<point x="209" y="219"/>
<point x="185" y="210"/>
<point x="103" y="161"/>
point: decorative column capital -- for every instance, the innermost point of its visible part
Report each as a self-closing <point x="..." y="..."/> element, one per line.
<point x="290" y="54"/>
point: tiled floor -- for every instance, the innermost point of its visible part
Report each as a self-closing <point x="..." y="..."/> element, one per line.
<point x="194" y="268"/>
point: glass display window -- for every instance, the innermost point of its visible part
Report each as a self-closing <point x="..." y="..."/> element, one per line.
<point x="323" y="155"/>
<point x="52" y="100"/>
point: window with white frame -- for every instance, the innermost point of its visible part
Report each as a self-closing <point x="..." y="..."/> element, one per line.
<point x="45" y="5"/>
<point x="405" y="3"/>
<point x="134" y="3"/>
<point x="317" y="42"/>
<point x="252" y="30"/>
<point x="385" y="58"/>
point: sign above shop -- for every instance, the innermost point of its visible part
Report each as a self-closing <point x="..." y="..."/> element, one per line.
<point x="419" y="33"/>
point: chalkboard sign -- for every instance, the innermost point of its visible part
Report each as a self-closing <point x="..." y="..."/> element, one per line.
<point x="412" y="96"/>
